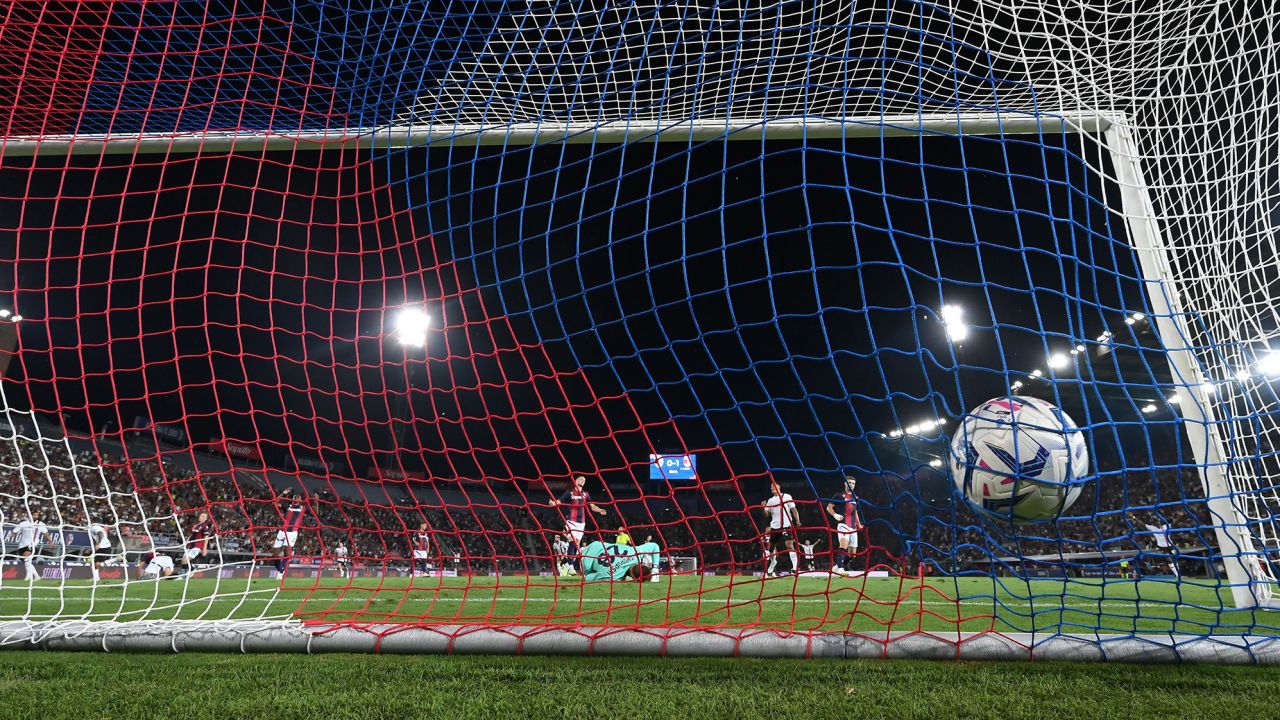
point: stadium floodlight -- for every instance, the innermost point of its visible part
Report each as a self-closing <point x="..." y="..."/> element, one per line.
<point x="1149" y="408"/>
<point x="1057" y="361"/>
<point x="1129" y="321"/>
<point x="1241" y="375"/>
<point x="411" y="326"/>
<point x="1269" y="364"/>
<point x="1080" y="348"/>
<point x="1138" y="317"/>
<point x="895" y="433"/>
<point x="1037" y="373"/>
<point x="1016" y="384"/>
<point x="4" y="314"/>
<point x="1208" y="388"/>
<point x="935" y="463"/>
<point x="16" y="318"/>
<point x="1174" y="399"/>
<point x="953" y="323"/>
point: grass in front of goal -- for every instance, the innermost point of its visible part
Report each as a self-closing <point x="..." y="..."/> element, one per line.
<point x="806" y="603"/>
<point x="196" y="686"/>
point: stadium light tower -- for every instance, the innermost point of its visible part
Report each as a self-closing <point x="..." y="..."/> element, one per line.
<point x="411" y="326"/>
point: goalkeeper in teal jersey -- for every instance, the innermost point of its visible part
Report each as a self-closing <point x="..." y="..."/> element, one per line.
<point x="619" y="563"/>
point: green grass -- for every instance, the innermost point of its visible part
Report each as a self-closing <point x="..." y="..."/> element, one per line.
<point x="837" y="604"/>
<point x="48" y="686"/>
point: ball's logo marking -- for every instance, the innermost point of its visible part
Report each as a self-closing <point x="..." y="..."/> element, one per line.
<point x="1030" y="468"/>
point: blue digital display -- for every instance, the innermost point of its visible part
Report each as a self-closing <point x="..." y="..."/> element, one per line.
<point x="673" y="467"/>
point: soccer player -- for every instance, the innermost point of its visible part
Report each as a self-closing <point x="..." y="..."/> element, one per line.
<point x="575" y="523"/>
<point x="198" y="543"/>
<point x="31" y="533"/>
<point x="156" y="565"/>
<point x="806" y="550"/>
<point x="421" y="548"/>
<point x="560" y="547"/>
<point x="342" y="559"/>
<point x="847" y="526"/>
<point x="100" y="542"/>
<point x="780" y="508"/>
<point x="619" y="563"/>
<point x="293" y="510"/>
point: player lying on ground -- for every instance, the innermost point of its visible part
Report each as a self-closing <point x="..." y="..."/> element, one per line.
<point x="847" y="526"/>
<point x="619" y="563"/>
<point x="155" y="566"/>
<point x="575" y="522"/>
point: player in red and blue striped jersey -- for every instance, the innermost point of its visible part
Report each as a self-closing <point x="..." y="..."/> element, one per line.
<point x="293" y="510"/>
<point x="847" y="527"/>
<point x="578" y="502"/>
<point x="197" y="541"/>
<point x="421" y="543"/>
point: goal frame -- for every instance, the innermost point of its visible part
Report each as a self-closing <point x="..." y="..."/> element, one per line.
<point x="1115" y="137"/>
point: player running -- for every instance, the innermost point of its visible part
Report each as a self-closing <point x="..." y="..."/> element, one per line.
<point x="575" y="523"/>
<point x="198" y="543"/>
<point x="342" y="560"/>
<point x="847" y="527"/>
<point x="780" y="508"/>
<point x="154" y="566"/>
<point x="421" y="542"/>
<point x="31" y="533"/>
<point x="100" y="542"/>
<point x="609" y="561"/>
<point x="293" y="511"/>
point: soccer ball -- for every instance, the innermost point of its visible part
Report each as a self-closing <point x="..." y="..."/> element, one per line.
<point x="1019" y="458"/>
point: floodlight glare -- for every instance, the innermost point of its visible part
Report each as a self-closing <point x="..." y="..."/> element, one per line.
<point x="953" y="322"/>
<point x="1149" y="408"/>
<point x="4" y="314"/>
<point x="1269" y="364"/>
<point x="411" y="326"/>
<point x="1057" y="361"/>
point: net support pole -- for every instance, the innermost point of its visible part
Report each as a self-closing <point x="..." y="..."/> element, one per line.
<point x="1170" y="318"/>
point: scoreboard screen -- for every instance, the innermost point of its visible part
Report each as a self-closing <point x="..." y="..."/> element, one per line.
<point x="673" y="467"/>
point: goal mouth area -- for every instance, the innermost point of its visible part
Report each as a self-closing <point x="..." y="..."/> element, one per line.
<point x="429" y="134"/>
<point x="270" y="637"/>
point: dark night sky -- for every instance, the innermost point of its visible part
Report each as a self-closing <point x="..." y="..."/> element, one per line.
<point x="777" y="301"/>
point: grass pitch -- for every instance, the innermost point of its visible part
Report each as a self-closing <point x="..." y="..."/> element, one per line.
<point x="806" y="603"/>
<point x="50" y="686"/>
<point x="195" y="686"/>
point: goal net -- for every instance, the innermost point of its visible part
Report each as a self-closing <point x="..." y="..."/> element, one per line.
<point x="636" y="327"/>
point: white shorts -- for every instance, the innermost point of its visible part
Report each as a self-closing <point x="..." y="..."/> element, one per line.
<point x="285" y="539"/>
<point x="158" y="565"/>
<point x="420" y="554"/>
<point x="847" y="535"/>
<point x="191" y="553"/>
<point x="576" y="530"/>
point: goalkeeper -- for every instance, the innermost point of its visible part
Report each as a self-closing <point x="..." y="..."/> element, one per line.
<point x="619" y="563"/>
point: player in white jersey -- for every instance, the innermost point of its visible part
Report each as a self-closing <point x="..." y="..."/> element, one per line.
<point x="560" y="548"/>
<point x="342" y="559"/>
<point x="155" y="565"/>
<point x="780" y="508"/>
<point x="100" y="542"/>
<point x="30" y="534"/>
<point x="807" y="549"/>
